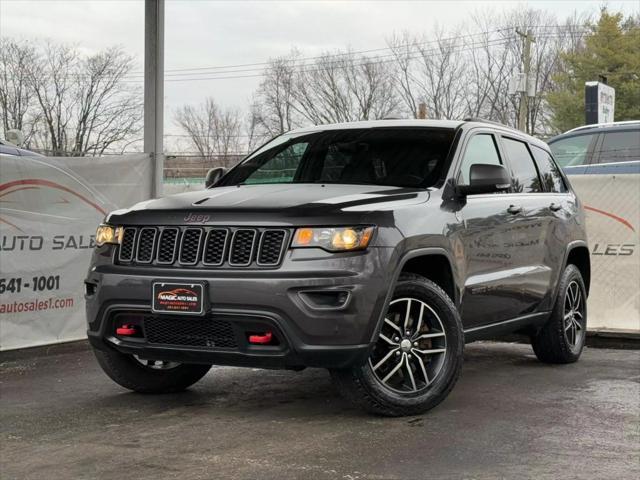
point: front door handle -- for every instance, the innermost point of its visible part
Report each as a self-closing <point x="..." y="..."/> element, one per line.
<point x="514" y="209"/>
<point x="554" y="207"/>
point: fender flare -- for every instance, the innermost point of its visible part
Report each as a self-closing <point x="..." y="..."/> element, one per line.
<point x="393" y="280"/>
<point x="570" y="246"/>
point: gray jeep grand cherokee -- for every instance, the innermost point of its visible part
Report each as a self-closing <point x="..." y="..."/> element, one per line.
<point x="374" y="249"/>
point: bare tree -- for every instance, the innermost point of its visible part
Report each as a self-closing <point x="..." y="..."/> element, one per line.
<point x="345" y="87"/>
<point x="67" y="103"/>
<point x="338" y="87"/>
<point x="272" y="108"/>
<point x="215" y="133"/>
<point x="16" y="98"/>
<point x="431" y="71"/>
<point x="459" y="75"/>
<point x="108" y="110"/>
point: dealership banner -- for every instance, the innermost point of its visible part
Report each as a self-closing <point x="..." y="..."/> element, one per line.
<point x="612" y="205"/>
<point x="49" y="211"/>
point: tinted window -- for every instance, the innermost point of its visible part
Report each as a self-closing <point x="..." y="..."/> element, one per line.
<point x="481" y="149"/>
<point x="404" y="157"/>
<point x="550" y="176"/>
<point x="524" y="170"/>
<point x="281" y="168"/>
<point x="620" y="146"/>
<point x="572" y="151"/>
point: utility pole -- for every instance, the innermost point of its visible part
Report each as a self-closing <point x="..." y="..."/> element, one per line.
<point x="526" y="69"/>
<point x="422" y="110"/>
<point x="154" y="89"/>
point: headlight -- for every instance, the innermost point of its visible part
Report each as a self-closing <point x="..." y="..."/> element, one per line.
<point x="333" y="239"/>
<point x="108" y="234"/>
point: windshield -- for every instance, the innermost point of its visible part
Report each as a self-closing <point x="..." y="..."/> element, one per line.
<point x="402" y="157"/>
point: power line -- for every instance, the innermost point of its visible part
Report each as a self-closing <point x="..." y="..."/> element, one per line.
<point x="301" y="67"/>
<point x="304" y="59"/>
<point x="319" y="67"/>
<point x="223" y="72"/>
<point x="170" y="72"/>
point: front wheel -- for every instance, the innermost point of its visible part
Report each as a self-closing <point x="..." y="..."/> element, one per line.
<point x="417" y="357"/>
<point x="149" y="376"/>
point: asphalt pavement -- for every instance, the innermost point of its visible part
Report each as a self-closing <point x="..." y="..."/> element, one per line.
<point x="508" y="417"/>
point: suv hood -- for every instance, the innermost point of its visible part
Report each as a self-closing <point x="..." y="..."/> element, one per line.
<point x="271" y="204"/>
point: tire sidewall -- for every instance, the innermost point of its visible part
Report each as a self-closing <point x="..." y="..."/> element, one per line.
<point x="431" y="294"/>
<point x="571" y="273"/>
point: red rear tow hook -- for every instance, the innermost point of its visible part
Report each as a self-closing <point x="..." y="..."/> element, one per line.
<point x="126" y="330"/>
<point x="263" y="339"/>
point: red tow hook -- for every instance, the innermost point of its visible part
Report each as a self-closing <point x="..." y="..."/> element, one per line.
<point x="126" y="330"/>
<point x="261" y="339"/>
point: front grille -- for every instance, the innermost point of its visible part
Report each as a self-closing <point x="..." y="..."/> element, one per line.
<point x="190" y="246"/>
<point x="242" y="247"/>
<point x="128" y="244"/>
<point x="270" y="249"/>
<point x="167" y="246"/>
<point x="146" y="245"/>
<point x="215" y="246"/>
<point x="205" y="247"/>
<point x="193" y="332"/>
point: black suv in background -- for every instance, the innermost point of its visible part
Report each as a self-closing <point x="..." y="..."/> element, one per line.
<point x="374" y="249"/>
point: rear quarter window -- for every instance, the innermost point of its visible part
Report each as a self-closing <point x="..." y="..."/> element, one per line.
<point x="550" y="176"/>
<point x="622" y="146"/>
<point x="525" y="173"/>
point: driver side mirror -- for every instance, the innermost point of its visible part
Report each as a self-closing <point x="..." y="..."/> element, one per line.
<point x="486" y="178"/>
<point x="213" y="176"/>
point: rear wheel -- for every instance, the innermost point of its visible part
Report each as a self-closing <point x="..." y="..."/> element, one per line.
<point x="562" y="339"/>
<point x="149" y="376"/>
<point x="417" y="357"/>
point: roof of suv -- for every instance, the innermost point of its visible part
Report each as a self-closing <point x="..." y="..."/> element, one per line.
<point x="453" y="124"/>
<point x="597" y="128"/>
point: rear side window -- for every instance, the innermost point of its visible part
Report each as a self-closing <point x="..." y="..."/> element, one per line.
<point x="481" y="149"/>
<point x="620" y="147"/>
<point x="572" y="151"/>
<point x="550" y="176"/>
<point x="525" y="174"/>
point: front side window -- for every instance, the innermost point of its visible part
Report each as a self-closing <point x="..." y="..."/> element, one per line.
<point x="620" y="147"/>
<point x="402" y="157"/>
<point x="572" y="151"/>
<point x="481" y="149"/>
<point x="281" y="168"/>
<point x="550" y="175"/>
<point x="525" y="174"/>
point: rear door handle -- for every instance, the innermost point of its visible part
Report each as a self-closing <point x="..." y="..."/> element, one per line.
<point x="554" y="207"/>
<point x="514" y="209"/>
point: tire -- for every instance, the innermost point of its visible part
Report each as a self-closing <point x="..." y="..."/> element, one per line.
<point x="154" y="377"/>
<point x="562" y="338"/>
<point x="406" y="392"/>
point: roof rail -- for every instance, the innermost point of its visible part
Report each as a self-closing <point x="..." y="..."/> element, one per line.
<point x="600" y="125"/>
<point x="482" y="120"/>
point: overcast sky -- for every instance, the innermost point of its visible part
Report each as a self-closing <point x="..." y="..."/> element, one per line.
<point x="203" y="33"/>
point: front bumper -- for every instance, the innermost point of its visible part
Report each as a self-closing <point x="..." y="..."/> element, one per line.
<point x="309" y="333"/>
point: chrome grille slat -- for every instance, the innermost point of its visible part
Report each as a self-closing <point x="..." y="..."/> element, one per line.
<point x="203" y="247"/>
